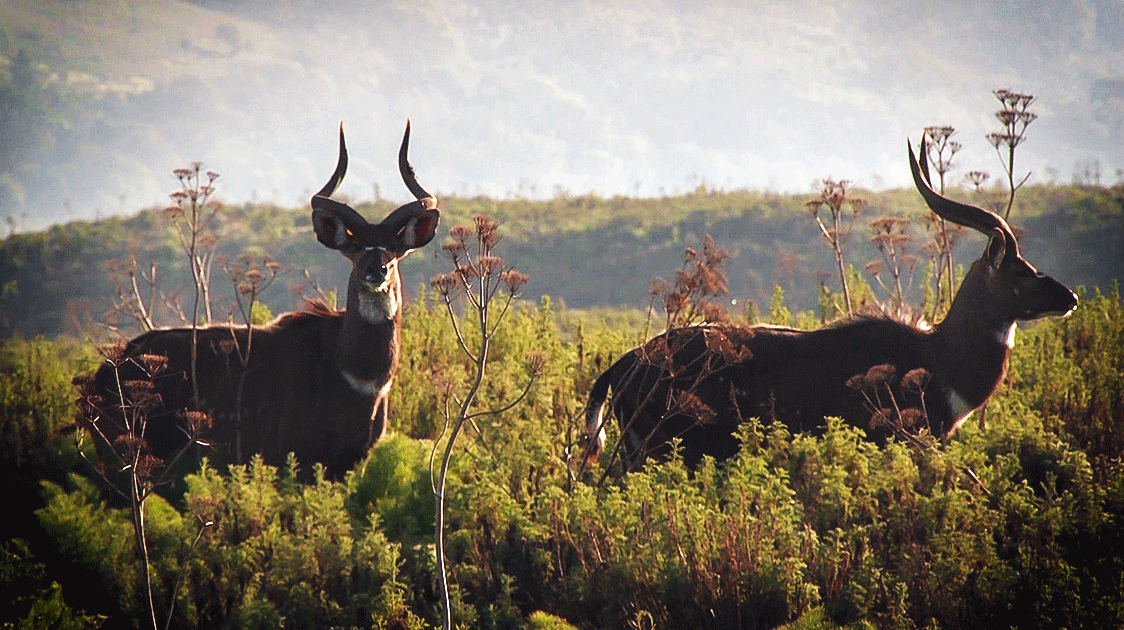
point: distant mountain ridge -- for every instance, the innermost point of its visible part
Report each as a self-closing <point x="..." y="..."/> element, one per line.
<point x="538" y="99"/>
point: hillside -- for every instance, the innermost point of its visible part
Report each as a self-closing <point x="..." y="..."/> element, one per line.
<point x="583" y="250"/>
<point x="100" y="98"/>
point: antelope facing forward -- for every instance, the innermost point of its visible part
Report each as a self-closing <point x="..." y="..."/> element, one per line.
<point x="699" y="383"/>
<point x="316" y="380"/>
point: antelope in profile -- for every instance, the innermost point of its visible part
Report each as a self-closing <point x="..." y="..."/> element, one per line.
<point x="699" y="383"/>
<point x="316" y="380"/>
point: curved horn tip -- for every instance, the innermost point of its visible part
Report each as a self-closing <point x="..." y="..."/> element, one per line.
<point x="406" y="170"/>
<point x="967" y="215"/>
<point x="341" y="169"/>
<point x="921" y="159"/>
<point x="914" y="165"/>
<point x="406" y="135"/>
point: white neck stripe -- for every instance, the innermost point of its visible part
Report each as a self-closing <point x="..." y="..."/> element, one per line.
<point x="1007" y="337"/>
<point x="365" y="387"/>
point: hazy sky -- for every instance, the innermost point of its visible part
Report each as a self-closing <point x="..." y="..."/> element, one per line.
<point x="539" y="98"/>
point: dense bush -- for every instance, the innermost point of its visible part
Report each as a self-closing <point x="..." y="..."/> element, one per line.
<point x="1019" y="525"/>
<point x="32" y="599"/>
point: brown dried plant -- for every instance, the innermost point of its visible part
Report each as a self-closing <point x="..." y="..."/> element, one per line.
<point x="699" y="282"/>
<point x="877" y="387"/>
<point x="249" y="275"/>
<point x="126" y="465"/>
<point x="691" y="301"/>
<point x="833" y="197"/>
<point x="942" y="149"/>
<point x="893" y="243"/>
<point x="481" y="277"/>
<point x="1014" y="116"/>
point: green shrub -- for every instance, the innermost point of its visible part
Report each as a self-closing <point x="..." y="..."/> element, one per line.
<point x="1019" y="525"/>
<point x="32" y="601"/>
<point x="37" y="402"/>
<point x="282" y="554"/>
<point x="391" y="489"/>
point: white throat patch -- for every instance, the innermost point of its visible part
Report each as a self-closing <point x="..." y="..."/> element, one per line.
<point x="1007" y="338"/>
<point x="379" y="305"/>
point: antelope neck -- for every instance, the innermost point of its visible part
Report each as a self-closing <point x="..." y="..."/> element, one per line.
<point x="367" y="346"/>
<point x="975" y="343"/>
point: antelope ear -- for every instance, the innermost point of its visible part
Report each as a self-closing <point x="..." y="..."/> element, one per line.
<point x="418" y="231"/>
<point x="996" y="248"/>
<point x="329" y="229"/>
<point x="335" y="224"/>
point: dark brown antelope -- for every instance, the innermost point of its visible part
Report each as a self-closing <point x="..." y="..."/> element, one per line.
<point x="699" y="383"/>
<point x="315" y="381"/>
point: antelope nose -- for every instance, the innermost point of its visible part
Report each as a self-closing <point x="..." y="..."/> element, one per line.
<point x="376" y="274"/>
<point x="1070" y="302"/>
<point x="1064" y="302"/>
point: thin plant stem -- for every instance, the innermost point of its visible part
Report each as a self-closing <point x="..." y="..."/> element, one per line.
<point x="479" y="280"/>
<point x="481" y="361"/>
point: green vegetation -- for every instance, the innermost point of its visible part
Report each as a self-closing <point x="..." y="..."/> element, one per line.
<point x="1021" y="525"/>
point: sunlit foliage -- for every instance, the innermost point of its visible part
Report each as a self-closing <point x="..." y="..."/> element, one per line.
<point x="1021" y="525"/>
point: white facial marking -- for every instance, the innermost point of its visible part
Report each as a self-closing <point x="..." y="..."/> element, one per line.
<point x="380" y="304"/>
